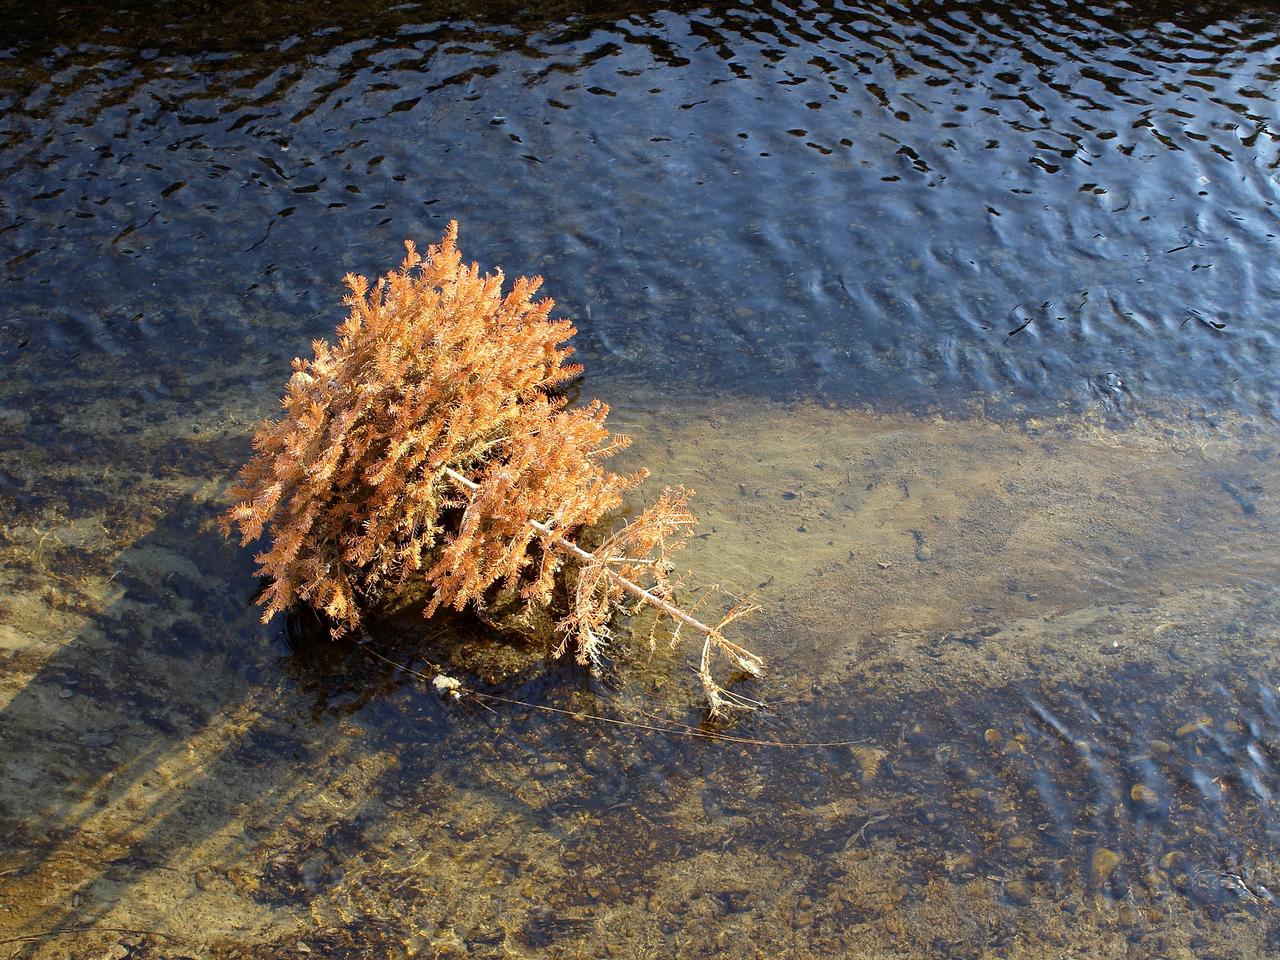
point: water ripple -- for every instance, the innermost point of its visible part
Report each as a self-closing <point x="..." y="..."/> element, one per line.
<point x="791" y="198"/>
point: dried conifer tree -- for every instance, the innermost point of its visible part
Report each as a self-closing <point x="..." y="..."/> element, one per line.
<point x="430" y="442"/>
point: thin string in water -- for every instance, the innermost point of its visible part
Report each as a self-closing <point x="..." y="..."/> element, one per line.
<point x="668" y="727"/>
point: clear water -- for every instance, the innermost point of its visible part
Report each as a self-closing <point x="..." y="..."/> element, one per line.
<point x="959" y="318"/>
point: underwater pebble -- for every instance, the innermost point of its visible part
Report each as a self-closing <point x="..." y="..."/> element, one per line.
<point x="66" y="693"/>
<point x="737" y="901"/>
<point x="1018" y="892"/>
<point x="204" y="879"/>
<point x="1159" y="748"/>
<point x="1141" y="793"/>
<point x="961" y="864"/>
<point x="992" y="735"/>
<point x="869" y="760"/>
<point x="98" y="738"/>
<point x="1193" y="727"/>
<point x="1127" y="915"/>
<point x="923" y="553"/>
<point x="1104" y="864"/>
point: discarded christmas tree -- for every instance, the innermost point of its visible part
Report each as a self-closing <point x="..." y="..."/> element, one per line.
<point x="430" y="443"/>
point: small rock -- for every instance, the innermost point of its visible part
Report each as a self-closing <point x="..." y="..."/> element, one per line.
<point x="1195" y="726"/>
<point x="992" y="735"/>
<point x="205" y="879"/>
<point x="66" y="693"/>
<point x="923" y="553"/>
<point x="961" y="864"/>
<point x="884" y="564"/>
<point x="869" y="760"/>
<point x="1141" y="793"/>
<point x="97" y="739"/>
<point x="1018" y="892"/>
<point x="737" y="901"/>
<point x="1104" y="865"/>
<point x="1159" y="748"/>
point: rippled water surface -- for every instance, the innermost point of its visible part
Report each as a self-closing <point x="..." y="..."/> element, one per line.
<point x="960" y="318"/>
<point x="1027" y="202"/>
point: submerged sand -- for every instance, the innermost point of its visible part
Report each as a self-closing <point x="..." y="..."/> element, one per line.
<point x="1053" y="641"/>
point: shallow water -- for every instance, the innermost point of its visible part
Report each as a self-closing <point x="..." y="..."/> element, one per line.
<point x="957" y="318"/>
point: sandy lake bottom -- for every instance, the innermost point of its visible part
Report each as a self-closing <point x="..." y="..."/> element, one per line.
<point x="1045" y="649"/>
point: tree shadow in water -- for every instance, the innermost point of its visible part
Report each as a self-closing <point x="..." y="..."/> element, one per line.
<point x="177" y="767"/>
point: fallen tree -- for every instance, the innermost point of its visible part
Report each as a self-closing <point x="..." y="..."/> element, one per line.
<point x="431" y="443"/>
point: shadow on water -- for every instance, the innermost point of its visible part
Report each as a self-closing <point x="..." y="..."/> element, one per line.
<point x="174" y="741"/>
<point x="129" y="731"/>
<point x="188" y="778"/>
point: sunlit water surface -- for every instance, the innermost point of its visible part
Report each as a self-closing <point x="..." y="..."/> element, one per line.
<point x="959" y="317"/>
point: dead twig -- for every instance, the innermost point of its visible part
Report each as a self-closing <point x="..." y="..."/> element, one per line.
<point x="661" y="725"/>
<point x="64" y="931"/>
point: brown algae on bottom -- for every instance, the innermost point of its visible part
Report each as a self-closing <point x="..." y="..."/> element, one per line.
<point x="1062" y="687"/>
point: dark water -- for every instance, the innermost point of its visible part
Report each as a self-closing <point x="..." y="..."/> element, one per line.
<point x="858" y="202"/>
<point x="1048" y="655"/>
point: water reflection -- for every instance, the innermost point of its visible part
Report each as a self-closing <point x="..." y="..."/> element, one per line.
<point x="981" y="203"/>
